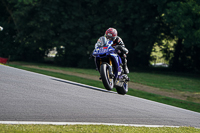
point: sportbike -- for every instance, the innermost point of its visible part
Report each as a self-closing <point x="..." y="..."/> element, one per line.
<point x="109" y="64"/>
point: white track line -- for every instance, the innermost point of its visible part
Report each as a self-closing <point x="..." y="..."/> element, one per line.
<point x="80" y="123"/>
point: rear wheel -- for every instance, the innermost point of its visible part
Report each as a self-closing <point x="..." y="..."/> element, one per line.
<point x="106" y="79"/>
<point x="122" y="90"/>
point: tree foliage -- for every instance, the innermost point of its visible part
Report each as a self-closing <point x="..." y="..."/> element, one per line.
<point x="34" y="27"/>
<point x="183" y="17"/>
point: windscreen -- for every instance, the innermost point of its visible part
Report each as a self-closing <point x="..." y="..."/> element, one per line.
<point x="102" y="41"/>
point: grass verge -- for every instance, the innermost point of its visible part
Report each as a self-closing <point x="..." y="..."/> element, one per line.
<point x="150" y="96"/>
<point x="91" y="129"/>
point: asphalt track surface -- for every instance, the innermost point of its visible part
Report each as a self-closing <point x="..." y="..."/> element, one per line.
<point x="28" y="96"/>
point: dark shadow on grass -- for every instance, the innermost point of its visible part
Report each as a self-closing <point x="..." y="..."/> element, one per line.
<point x="82" y="85"/>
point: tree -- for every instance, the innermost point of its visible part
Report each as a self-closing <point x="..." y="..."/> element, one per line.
<point x="35" y="27"/>
<point x="183" y="19"/>
<point x="8" y="44"/>
<point x="140" y="25"/>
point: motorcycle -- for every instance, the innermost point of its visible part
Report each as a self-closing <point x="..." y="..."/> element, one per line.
<point x="109" y="65"/>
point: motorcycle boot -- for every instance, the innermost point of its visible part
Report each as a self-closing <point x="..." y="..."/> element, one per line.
<point x="125" y="67"/>
<point x="126" y="77"/>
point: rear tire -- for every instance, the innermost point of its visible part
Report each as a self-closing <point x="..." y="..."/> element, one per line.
<point x="122" y="90"/>
<point x="107" y="81"/>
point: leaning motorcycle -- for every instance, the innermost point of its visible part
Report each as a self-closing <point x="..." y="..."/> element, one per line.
<point x="109" y="65"/>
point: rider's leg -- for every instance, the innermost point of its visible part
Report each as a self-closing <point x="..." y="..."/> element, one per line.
<point x="125" y="67"/>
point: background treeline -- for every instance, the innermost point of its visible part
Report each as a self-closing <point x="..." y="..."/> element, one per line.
<point x="34" y="27"/>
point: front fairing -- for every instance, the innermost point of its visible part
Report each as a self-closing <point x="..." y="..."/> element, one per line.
<point x="103" y="50"/>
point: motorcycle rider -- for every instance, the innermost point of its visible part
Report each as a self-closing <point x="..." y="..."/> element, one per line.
<point x="118" y="44"/>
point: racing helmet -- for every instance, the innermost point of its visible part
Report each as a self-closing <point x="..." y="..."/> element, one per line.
<point x="111" y="34"/>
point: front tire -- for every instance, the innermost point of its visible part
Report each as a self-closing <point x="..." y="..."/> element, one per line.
<point x="107" y="81"/>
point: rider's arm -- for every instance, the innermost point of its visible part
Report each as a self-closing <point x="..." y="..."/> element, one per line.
<point x="121" y="48"/>
<point x="120" y="45"/>
<point x="119" y="41"/>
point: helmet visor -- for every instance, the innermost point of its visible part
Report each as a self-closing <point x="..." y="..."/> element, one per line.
<point x="110" y="38"/>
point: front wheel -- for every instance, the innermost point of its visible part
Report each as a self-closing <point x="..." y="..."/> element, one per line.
<point x="106" y="79"/>
<point x="122" y="90"/>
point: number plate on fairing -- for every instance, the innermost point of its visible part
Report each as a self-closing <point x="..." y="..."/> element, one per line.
<point x="101" y="50"/>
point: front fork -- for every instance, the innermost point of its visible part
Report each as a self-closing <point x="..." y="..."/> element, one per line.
<point x="109" y="64"/>
<point x="110" y="69"/>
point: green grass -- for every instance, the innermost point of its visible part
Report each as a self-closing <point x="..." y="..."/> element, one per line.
<point x="158" y="98"/>
<point x="91" y="129"/>
<point x="167" y="80"/>
<point x="166" y="100"/>
<point x="77" y="70"/>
